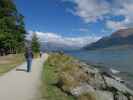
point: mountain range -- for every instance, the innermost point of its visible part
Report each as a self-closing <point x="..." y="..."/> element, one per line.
<point x="54" y="46"/>
<point x="120" y="38"/>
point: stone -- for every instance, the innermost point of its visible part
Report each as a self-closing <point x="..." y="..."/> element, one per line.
<point x="131" y="98"/>
<point x="90" y="70"/>
<point x="120" y="96"/>
<point x="82" y="89"/>
<point x="96" y="80"/>
<point x="117" y="85"/>
<point x="104" y="95"/>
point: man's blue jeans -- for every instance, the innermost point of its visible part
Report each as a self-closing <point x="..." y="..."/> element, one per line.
<point x="29" y="63"/>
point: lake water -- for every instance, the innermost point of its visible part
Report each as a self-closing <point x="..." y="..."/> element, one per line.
<point x="121" y="60"/>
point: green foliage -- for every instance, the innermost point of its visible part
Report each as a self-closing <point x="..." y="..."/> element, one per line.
<point x="12" y="29"/>
<point x="35" y="44"/>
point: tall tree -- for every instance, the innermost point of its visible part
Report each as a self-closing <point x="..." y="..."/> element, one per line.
<point x="12" y="29"/>
<point x="35" y="43"/>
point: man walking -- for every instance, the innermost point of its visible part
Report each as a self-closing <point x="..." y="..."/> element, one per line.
<point x="29" y="57"/>
<point x="41" y="54"/>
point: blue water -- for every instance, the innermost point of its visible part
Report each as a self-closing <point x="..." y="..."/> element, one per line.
<point x="121" y="60"/>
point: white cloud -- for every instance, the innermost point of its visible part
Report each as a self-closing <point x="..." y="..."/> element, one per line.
<point x="94" y="10"/>
<point x="81" y="30"/>
<point x="90" y="10"/>
<point x="47" y="37"/>
<point x="115" y="25"/>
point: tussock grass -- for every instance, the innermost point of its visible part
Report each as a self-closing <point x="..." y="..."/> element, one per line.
<point x="61" y="73"/>
<point x="50" y="77"/>
<point x="87" y="96"/>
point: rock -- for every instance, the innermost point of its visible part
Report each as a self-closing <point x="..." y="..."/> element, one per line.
<point x="118" y="79"/>
<point x="120" y="96"/>
<point x="96" y="80"/>
<point x="104" y="95"/>
<point x="114" y="71"/>
<point x="97" y="95"/>
<point x="90" y="70"/>
<point x="94" y="77"/>
<point x="83" y="64"/>
<point x="87" y="96"/>
<point x="131" y="98"/>
<point x="117" y="85"/>
<point x="87" y="83"/>
<point x="87" y="91"/>
<point x="82" y="89"/>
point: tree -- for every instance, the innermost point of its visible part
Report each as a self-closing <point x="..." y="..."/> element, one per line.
<point x="35" y="43"/>
<point x="12" y="31"/>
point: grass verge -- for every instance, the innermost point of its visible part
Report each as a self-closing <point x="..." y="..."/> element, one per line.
<point x="9" y="62"/>
<point x="50" y="76"/>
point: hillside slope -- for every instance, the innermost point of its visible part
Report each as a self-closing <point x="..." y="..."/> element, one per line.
<point x="119" y="38"/>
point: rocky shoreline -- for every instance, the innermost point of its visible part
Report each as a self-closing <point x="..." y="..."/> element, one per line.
<point x="86" y="82"/>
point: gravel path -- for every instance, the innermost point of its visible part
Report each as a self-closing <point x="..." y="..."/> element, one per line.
<point x="20" y="85"/>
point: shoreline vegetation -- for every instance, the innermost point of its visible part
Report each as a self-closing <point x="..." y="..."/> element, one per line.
<point x="50" y="76"/>
<point x="66" y="78"/>
<point x="9" y="62"/>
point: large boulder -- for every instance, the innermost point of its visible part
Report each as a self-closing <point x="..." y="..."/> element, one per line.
<point x="96" y="80"/>
<point x="111" y="83"/>
<point x="104" y="95"/>
<point x="131" y="98"/>
<point x="82" y="89"/>
<point x="87" y="92"/>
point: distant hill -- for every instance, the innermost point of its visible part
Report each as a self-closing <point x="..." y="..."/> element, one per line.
<point x="123" y="37"/>
<point x="50" y="46"/>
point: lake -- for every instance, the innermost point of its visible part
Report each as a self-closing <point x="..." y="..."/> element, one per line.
<point x="121" y="60"/>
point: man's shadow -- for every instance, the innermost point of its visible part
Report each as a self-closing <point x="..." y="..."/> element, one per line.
<point x="18" y="69"/>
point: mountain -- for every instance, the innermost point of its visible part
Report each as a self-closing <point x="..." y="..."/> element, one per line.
<point x="54" y="46"/>
<point x="123" y="33"/>
<point x="123" y="37"/>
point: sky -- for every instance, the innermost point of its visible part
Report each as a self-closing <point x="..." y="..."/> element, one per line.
<point x="88" y="20"/>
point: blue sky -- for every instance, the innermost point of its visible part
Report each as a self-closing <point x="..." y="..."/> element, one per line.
<point x="50" y="16"/>
<point x="76" y="18"/>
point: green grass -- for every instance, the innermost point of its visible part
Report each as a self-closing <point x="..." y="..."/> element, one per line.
<point x="9" y="62"/>
<point x="36" y="55"/>
<point x="50" y="76"/>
